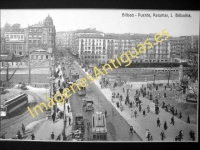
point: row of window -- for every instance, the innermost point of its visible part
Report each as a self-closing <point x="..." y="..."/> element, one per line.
<point x="39" y="57"/>
<point x="14" y="36"/>
<point x="94" y="57"/>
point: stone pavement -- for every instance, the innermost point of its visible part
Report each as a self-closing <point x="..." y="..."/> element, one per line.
<point x="141" y="123"/>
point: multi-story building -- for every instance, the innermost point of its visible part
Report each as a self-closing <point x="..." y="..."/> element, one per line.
<point x="42" y="34"/>
<point x="66" y="39"/>
<point x="15" y="41"/>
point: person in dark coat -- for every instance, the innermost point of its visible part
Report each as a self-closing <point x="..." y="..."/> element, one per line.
<point x="69" y="121"/>
<point x="54" y="116"/>
<point x="180" y="115"/>
<point x="32" y="137"/>
<point x="192" y="135"/>
<point x="105" y="113"/>
<point x="123" y="90"/>
<point x="52" y="135"/>
<point x="68" y="108"/>
<point x="19" y="135"/>
<point x="165" y="95"/>
<point x="172" y="120"/>
<point x="144" y="113"/>
<point x="117" y="104"/>
<point x="188" y="119"/>
<point x="180" y="135"/>
<point x="162" y="135"/>
<point x="140" y="108"/>
<point x="131" y="129"/>
<point x="158" y="122"/>
<point x="23" y="129"/>
<point x="165" y="125"/>
<point x="163" y="106"/>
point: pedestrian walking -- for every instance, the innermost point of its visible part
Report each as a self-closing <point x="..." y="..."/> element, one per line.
<point x="162" y="135"/>
<point x="131" y="129"/>
<point x="172" y="120"/>
<point x="180" y="115"/>
<point x="105" y="113"/>
<point x="165" y="125"/>
<point x="52" y="135"/>
<point x="158" y="122"/>
<point x="54" y="116"/>
<point x="32" y="137"/>
<point x="68" y="108"/>
<point x="180" y="135"/>
<point x="135" y="113"/>
<point x="140" y="108"/>
<point x="19" y="135"/>
<point x="165" y="95"/>
<point x="123" y="90"/>
<point x="192" y="135"/>
<point x="69" y="121"/>
<point x="23" y="129"/>
<point x="188" y="119"/>
<point x="144" y="113"/>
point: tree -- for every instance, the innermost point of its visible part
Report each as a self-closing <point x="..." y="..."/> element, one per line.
<point x="168" y="75"/>
<point x="16" y="26"/>
<point x="7" y="26"/>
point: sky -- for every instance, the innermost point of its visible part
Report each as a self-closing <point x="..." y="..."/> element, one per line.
<point x="107" y="20"/>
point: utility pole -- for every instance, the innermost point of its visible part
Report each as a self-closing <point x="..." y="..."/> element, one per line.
<point x="7" y="72"/>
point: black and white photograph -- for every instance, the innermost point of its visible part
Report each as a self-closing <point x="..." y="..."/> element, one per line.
<point x="99" y="75"/>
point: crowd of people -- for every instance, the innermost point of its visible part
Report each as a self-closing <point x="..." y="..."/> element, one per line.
<point x="136" y="102"/>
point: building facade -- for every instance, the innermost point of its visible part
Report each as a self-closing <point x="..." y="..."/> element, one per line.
<point x="15" y="41"/>
<point x="66" y="39"/>
<point x="42" y="34"/>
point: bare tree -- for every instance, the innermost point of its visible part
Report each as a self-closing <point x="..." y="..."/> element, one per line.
<point x="168" y="75"/>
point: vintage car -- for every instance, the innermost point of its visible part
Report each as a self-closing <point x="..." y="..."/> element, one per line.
<point x="88" y="105"/>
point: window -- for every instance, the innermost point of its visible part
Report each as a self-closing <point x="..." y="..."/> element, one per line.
<point x="46" y="56"/>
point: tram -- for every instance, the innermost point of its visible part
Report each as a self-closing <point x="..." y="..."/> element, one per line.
<point x="13" y="104"/>
<point x="82" y="90"/>
<point x="99" y="129"/>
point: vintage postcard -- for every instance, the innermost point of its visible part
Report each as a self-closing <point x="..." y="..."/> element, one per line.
<point x="109" y="75"/>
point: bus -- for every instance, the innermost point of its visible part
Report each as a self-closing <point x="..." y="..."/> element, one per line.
<point x="13" y="104"/>
<point x="99" y="129"/>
